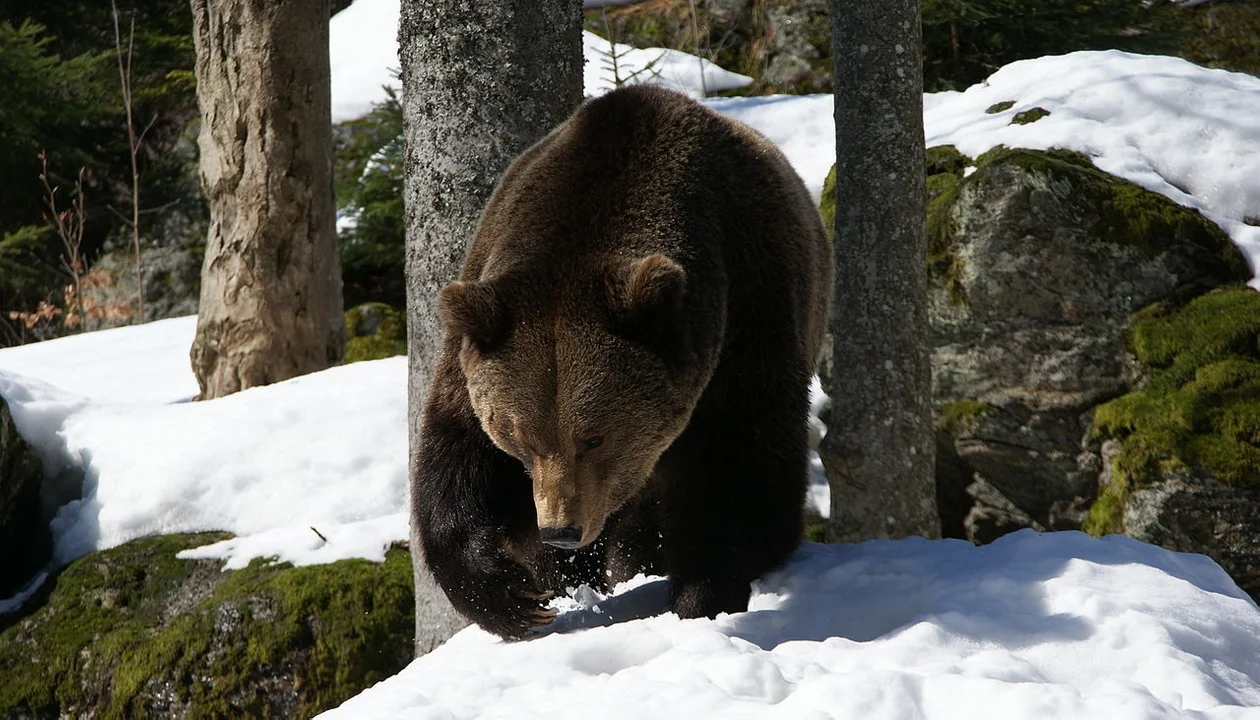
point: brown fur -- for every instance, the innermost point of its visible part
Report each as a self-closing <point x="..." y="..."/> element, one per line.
<point x="630" y="344"/>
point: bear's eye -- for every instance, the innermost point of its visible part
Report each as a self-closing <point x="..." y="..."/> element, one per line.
<point x="590" y="443"/>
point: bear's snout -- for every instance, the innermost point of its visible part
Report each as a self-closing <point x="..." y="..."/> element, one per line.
<point x="566" y="538"/>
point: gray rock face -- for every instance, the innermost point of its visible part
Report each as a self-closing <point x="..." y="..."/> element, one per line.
<point x="25" y="540"/>
<point x="1193" y="512"/>
<point x="1038" y="261"/>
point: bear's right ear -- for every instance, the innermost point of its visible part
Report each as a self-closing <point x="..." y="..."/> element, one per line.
<point x="474" y="310"/>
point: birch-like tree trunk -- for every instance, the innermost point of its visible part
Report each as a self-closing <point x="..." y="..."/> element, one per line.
<point x="879" y="450"/>
<point x="482" y="81"/>
<point x="271" y="305"/>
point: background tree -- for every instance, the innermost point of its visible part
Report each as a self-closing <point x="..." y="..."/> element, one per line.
<point x="879" y="449"/>
<point x="271" y="305"/>
<point x="481" y="83"/>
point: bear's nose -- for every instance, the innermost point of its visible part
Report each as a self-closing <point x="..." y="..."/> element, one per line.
<point x="568" y="538"/>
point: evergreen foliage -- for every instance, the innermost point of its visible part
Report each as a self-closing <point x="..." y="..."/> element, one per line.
<point x="369" y="180"/>
<point x="60" y="94"/>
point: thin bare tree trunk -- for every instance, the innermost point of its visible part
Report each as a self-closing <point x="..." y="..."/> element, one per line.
<point x="133" y="143"/>
<point x="271" y="305"/>
<point x="879" y="450"/>
<point x="482" y="82"/>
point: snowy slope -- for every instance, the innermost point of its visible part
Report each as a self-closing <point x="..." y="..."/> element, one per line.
<point x="1031" y="627"/>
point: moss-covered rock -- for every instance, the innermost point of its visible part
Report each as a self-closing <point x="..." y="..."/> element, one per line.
<point x="136" y="632"/>
<point x="1037" y="260"/>
<point x="25" y="541"/>
<point x="374" y="331"/>
<point x="1199" y="408"/>
<point x="1182" y="455"/>
<point x="1030" y="115"/>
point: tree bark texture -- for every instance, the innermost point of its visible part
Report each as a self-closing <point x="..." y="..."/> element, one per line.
<point x="879" y="449"/>
<point x="271" y="306"/>
<point x="482" y="81"/>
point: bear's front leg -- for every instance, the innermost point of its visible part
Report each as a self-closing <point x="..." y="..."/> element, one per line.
<point x="736" y="483"/>
<point x="472" y="506"/>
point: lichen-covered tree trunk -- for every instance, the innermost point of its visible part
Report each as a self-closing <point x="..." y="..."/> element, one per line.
<point x="879" y="449"/>
<point x="482" y="81"/>
<point x="271" y="305"/>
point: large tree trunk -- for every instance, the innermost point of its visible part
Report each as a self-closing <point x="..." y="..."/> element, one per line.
<point x="271" y="305"/>
<point x="879" y="448"/>
<point x="482" y="81"/>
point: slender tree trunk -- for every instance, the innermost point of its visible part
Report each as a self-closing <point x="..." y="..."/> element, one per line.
<point x="879" y="449"/>
<point x="482" y="81"/>
<point x="271" y="305"/>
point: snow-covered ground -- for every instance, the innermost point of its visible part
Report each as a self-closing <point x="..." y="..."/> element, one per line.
<point x="1033" y="626"/>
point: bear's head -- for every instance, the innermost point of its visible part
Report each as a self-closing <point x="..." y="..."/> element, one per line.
<point x="585" y="380"/>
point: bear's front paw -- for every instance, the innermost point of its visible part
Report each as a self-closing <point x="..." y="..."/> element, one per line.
<point x="506" y="597"/>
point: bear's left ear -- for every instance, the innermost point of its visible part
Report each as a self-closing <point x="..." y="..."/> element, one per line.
<point x="645" y="303"/>
<point x="475" y="310"/>
<point x="653" y="284"/>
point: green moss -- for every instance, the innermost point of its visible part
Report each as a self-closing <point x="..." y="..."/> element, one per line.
<point x="374" y="331"/>
<point x="816" y="532"/>
<point x="1201" y="405"/>
<point x="1029" y="116"/>
<point x="1003" y="106"/>
<point x="944" y="159"/>
<point x="955" y="416"/>
<point x="128" y="624"/>
<point x="1122" y="212"/>
<point x="1106" y="515"/>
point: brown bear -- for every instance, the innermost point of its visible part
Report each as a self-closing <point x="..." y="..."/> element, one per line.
<point x="624" y="380"/>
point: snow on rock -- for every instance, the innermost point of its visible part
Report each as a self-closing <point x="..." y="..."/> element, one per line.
<point x="363" y="51"/>
<point x="1033" y="626"/>
<point x="1187" y="132"/>
<point x="323" y="454"/>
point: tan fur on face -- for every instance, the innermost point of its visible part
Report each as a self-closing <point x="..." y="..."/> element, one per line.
<point x="562" y="377"/>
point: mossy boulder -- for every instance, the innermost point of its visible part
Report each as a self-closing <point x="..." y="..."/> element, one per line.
<point x="1037" y="261"/>
<point x="137" y="632"/>
<point x="374" y="331"/>
<point x="25" y="540"/>
<point x="1181" y="451"/>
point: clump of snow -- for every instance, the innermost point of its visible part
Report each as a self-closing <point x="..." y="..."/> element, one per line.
<point x="363" y="51"/>
<point x="1033" y="626"/>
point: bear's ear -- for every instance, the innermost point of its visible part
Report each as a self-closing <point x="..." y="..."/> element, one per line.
<point x="474" y="310"/>
<point x="645" y="301"/>
<point x="646" y="288"/>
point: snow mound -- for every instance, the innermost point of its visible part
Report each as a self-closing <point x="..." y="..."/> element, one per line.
<point x="1033" y="626"/>
<point x="141" y="363"/>
<point x="279" y="466"/>
<point x="363" y="51"/>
